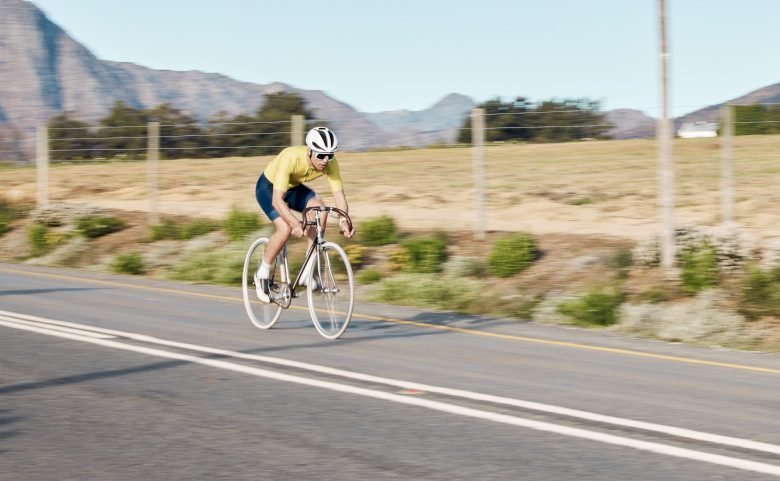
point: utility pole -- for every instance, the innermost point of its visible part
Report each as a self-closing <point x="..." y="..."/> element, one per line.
<point x="153" y="168"/>
<point x="666" y="165"/>
<point x="478" y="154"/>
<point x="42" y="165"/>
<point x="726" y="164"/>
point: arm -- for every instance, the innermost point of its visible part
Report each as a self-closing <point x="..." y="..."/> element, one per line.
<point x="341" y="203"/>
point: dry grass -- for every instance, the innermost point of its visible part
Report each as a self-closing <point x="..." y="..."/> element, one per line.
<point x="594" y="188"/>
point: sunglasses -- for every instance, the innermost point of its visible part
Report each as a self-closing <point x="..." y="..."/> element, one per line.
<point x="327" y="157"/>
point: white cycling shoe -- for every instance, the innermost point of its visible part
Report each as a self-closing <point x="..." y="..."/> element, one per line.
<point x="263" y="288"/>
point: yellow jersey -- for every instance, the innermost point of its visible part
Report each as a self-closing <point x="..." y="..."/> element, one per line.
<point x="291" y="167"/>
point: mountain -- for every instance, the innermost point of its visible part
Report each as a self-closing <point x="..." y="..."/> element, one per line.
<point x="630" y="124"/>
<point x="764" y="95"/>
<point x="446" y="115"/>
<point x="43" y="71"/>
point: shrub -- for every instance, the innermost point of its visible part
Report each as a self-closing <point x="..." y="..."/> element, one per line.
<point x="129" y="263"/>
<point x="167" y="229"/>
<point x="512" y="254"/>
<point x="379" y="231"/>
<point x="731" y="246"/>
<point x="223" y="266"/>
<point x="36" y="236"/>
<point x="369" y="276"/>
<point x="99" y="225"/>
<point x="699" y="268"/>
<point x="240" y="223"/>
<point x="622" y="261"/>
<point x="761" y="293"/>
<point x="427" y="290"/>
<point x="6" y="217"/>
<point x="425" y="254"/>
<point x="196" y="228"/>
<point x="596" y="308"/>
<point x="356" y="254"/>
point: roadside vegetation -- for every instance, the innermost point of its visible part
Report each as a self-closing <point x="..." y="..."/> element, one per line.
<point x="723" y="283"/>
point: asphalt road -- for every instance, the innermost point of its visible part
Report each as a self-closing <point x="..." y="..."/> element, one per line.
<point x="120" y="378"/>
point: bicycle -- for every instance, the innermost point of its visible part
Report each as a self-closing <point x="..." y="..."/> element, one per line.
<point x="330" y="288"/>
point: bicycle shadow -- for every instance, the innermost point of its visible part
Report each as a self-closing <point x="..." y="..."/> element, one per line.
<point x="363" y="329"/>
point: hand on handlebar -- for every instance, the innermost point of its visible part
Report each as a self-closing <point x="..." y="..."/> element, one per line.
<point x="297" y="230"/>
<point x="345" y="228"/>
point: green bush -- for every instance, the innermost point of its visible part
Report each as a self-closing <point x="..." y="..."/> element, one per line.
<point x="512" y="254"/>
<point x="99" y="225"/>
<point x="761" y="293"/>
<point x="129" y="263"/>
<point x="240" y="223"/>
<point x="699" y="268"/>
<point x="428" y="290"/>
<point x="425" y="254"/>
<point x="622" y="260"/>
<point x="369" y="276"/>
<point x="225" y="266"/>
<point x="196" y="228"/>
<point x="6" y="217"/>
<point x="37" y="238"/>
<point x="596" y="308"/>
<point x="378" y="231"/>
<point x="169" y="229"/>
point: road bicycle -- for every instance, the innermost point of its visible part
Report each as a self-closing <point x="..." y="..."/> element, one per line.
<point x="330" y="286"/>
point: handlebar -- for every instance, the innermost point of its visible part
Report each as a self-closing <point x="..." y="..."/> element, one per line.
<point x="340" y="213"/>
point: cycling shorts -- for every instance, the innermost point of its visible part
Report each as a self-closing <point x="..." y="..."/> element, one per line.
<point x="297" y="197"/>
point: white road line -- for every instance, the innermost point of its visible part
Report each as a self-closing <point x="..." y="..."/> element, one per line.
<point x="530" y="405"/>
<point x="658" y="448"/>
<point x="80" y="331"/>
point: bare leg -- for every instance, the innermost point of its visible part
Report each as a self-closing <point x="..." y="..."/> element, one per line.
<point x="277" y="240"/>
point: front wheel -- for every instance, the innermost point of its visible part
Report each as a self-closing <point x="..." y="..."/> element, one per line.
<point x="331" y="291"/>
<point x="263" y="315"/>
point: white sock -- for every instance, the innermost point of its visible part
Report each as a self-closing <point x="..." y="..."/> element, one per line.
<point x="265" y="271"/>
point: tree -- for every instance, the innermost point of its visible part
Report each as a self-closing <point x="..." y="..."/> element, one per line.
<point x="180" y="136"/>
<point x="123" y="131"/>
<point x="69" y="139"/>
<point x="546" y="121"/>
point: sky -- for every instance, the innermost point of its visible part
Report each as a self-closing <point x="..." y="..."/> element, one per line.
<point x="408" y="54"/>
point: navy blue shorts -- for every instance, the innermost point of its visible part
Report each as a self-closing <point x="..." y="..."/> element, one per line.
<point x="297" y="197"/>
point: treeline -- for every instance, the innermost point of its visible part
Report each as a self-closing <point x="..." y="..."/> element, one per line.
<point x="756" y="119"/>
<point x="123" y="132"/>
<point x="546" y="121"/>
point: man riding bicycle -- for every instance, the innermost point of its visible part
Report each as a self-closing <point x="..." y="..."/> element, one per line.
<point x="280" y="190"/>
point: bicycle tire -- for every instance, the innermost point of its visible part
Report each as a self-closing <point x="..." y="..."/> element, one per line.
<point x="262" y="314"/>
<point x="331" y="291"/>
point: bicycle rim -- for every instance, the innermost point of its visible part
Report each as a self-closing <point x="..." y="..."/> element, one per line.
<point x="331" y="291"/>
<point x="263" y="315"/>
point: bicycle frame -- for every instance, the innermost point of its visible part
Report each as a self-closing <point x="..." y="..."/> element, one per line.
<point x="315" y="246"/>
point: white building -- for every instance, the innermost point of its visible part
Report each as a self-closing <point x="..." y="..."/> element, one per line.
<point x="692" y="130"/>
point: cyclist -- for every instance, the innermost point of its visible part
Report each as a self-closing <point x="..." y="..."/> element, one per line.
<point x="280" y="190"/>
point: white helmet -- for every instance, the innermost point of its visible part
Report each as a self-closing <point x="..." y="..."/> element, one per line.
<point x="322" y="140"/>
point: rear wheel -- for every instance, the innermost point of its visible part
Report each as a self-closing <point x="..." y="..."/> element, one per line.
<point x="263" y="315"/>
<point x="331" y="291"/>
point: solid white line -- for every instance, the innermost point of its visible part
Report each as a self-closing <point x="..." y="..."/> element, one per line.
<point x="530" y="405"/>
<point x="83" y="332"/>
<point x="668" y="450"/>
